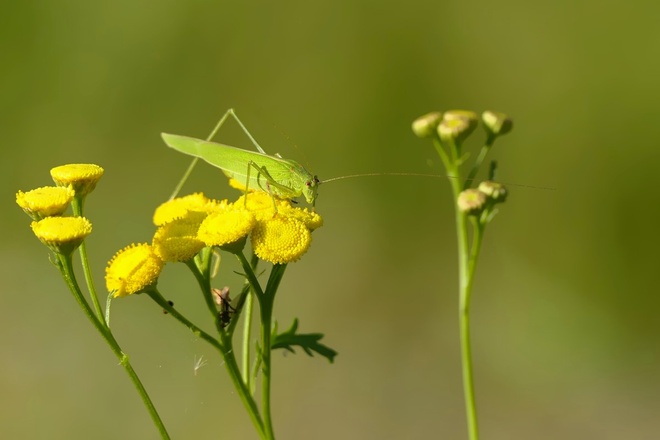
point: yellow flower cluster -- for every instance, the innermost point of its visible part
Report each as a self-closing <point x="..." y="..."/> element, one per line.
<point x="46" y="204"/>
<point x="280" y="234"/>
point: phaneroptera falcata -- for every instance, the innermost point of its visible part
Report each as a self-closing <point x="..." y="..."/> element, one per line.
<point x="284" y="178"/>
<point x="275" y="175"/>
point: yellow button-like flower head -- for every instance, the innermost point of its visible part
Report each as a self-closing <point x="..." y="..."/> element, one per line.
<point x="62" y="234"/>
<point x="193" y="206"/>
<point x="281" y="239"/>
<point x="45" y="202"/>
<point x="177" y="241"/>
<point x="132" y="269"/>
<point x="227" y="226"/>
<point x="310" y="218"/>
<point x="82" y="177"/>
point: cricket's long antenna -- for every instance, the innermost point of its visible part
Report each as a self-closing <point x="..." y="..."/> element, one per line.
<point x="546" y="188"/>
<point x="350" y="176"/>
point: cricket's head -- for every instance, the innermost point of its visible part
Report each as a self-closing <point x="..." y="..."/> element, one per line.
<point x="311" y="189"/>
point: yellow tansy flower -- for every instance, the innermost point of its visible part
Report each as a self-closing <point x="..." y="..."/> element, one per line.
<point x="227" y="226"/>
<point x="177" y="241"/>
<point x="280" y="239"/>
<point x="310" y="218"/>
<point x="62" y="234"/>
<point x="45" y="202"/>
<point x="261" y="204"/>
<point x="82" y="177"/>
<point x="194" y="206"/>
<point x="132" y="269"/>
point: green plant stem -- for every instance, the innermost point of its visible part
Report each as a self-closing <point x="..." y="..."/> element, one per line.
<point x="251" y="277"/>
<point x="77" y="207"/>
<point x="247" y="300"/>
<point x="99" y="324"/>
<point x="225" y="347"/>
<point x="247" y="330"/>
<point x="466" y="266"/>
<point x="266" y="300"/>
<point x="490" y="140"/>
<point x="266" y="308"/>
<point x="204" y="284"/>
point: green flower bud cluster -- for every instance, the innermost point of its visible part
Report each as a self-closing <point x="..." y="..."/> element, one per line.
<point x="457" y="125"/>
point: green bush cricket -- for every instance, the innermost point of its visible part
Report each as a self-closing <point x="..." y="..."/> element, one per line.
<point x="279" y="177"/>
<point x="275" y="175"/>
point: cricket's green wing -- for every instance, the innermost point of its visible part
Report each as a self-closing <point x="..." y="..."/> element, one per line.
<point x="281" y="177"/>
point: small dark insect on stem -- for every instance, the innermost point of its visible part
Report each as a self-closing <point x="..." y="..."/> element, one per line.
<point x="223" y="300"/>
<point x="171" y="303"/>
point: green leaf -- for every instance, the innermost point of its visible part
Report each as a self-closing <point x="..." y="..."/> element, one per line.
<point x="309" y="342"/>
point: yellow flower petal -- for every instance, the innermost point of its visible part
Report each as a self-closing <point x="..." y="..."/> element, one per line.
<point x="177" y="241"/>
<point x="82" y="177"/>
<point x="132" y="269"/>
<point x="45" y="202"/>
<point x="62" y="234"/>
<point x="280" y="239"/>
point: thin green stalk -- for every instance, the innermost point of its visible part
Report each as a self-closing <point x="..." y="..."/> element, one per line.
<point x="204" y="285"/>
<point x="99" y="324"/>
<point x="266" y="323"/>
<point x="226" y="351"/>
<point x="251" y="277"/>
<point x="247" y="330"/>
<point x="466" y="351"/>
<point x="490" y="140"/>
<point x="77" y="207"/>
<point x="266" y="307"/>
<point x="247" y="296"/>
<point x="465" y="276"/>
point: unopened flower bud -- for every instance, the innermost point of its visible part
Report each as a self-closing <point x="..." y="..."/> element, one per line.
<point x="468" y="115"/>
<point x="494" y="191"/>
<point x="425" y="126"/>
<point x="455" y="130"/>
<point x="471" y="201"/>
<point x="497" y="124"/>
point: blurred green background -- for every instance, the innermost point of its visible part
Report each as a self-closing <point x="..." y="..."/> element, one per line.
<point x="565" y="305"/>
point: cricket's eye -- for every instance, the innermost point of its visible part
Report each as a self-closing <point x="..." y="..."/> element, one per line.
<point x="308" y="183"/>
